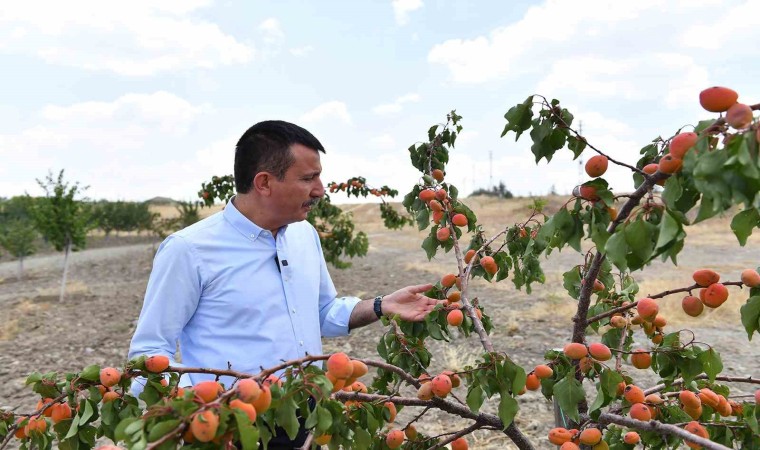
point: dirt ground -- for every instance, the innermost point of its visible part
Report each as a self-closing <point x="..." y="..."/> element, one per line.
<point x="95" y="322"/>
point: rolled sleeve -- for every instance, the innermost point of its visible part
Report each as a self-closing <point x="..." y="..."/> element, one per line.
<point x="334" y="317"/>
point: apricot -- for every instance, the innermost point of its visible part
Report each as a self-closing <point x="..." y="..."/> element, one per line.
<point x="20" y="430"/>
<point x="157" y="363"/>
<point x="559" y="436"/>
<point x="590" y="436"/>
<point x="739" y="115"/>
<point x="441" y="194"/>
<point x="109" y="376"/>
<point x="613" y="212"/>
<point x="532" y="383"/>
<point x="633" y="394"/>
<point x="682" y="143"/>
<point x="394" y="439"/>
<point x="425" y="392"/>
<point x="441" y="385"/>
<point x="715" y="295"/>
<point x="248" y="390"/>
<point x="757" y="397"/>
<point x="631" y="438"/>
<point x="437" y="216"/>
<point x="694" y="413"/>
<point x="37" y="425"/>
<point x="709" y="397"/>
<point x="640" y="411"/>
<point x="659" y="321"/>
<point x="569" y="446"/>
<point x="602" y="445"/>
<point x="692" y="306"/>
<point x="670" y="164"/>
<point x="424" y="378"/>
<point x="637" y="320"/>
<point x="47" y="404"/>
<point x="647" y="309"/>
<point x="717" y="98"/>
<point x="658" y="338"/>
<point x="599" y="351"/>
<point x="705" y="277"/>
<point x="392" y="409"/>
<point x="641" y="359"/>
<point x="110" y="396"/>
<point x="435" y="206"/>
<point x="459" y="444"/>
<point x="469" y="255"/>
<point x="454" y="297"/>
<point x="247" y="408"/>
<point x="618" y="321"/>
<point x="323" y="439"/>
<point x="61" y="411"/>
<point x="448" y="280"/>
<point x="426" y="195"/>
<point x="750" y="278"/>
<point x="689" y="399"/>
<point x="543" y="371"/>
<point x="575" y="350"/>
<point x="339" y="364"/>
<point x="737" y="409"/>
<point x="589" y="193"/>
<point x="455" y="317"/>
<point x="489" y="264"/>
<point x="654" y="399"/>
<point x="411" y="432"/>
<point x="650" y="169"/>
<point x="358" y="386"/>
<point x="360" y="369"/>
<point x="208" y="391"/>
<point x="455" y="380"/>
<point x="585" y="364"/>
<point x="443" y="234"/>
<point x="459" y="220"/>
<point x="437" y="175"/>
<point x="724" y="408"/>
<point x="596" y="166"/>
<point x="204" y="425"/>
<point x="696" y="428"/>
<point x="264" y="401"/>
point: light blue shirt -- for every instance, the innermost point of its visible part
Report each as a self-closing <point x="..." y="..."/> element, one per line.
<point x="215" y="288"/>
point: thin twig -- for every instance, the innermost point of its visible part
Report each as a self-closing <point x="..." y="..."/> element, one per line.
<point x="662" y="428"/>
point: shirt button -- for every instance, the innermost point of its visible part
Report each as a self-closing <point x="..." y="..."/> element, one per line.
<point x="293" y="310"/>
<point x="301" y="343"/>
<point x="253" y="236"/>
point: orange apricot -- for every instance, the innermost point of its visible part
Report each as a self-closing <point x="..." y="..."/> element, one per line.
<point x="248" y="390"/>
<point x="641" y="359"/>
<point x="392" y="410"/>
<point x="441" y="194"/>
<point x="613" y="212"/>
<point x="709" y="397"/>
<point x="670" y="164"/>
<point x="247" y="408"/>
<point x="339" y="364"/>
<point x="435" y="206"/>
<point x="208" y="391"/>
<point x="437" y="174"/>
<point x="647" y="309"/>
<point x="36" y="425"/>
<point x="739" y="115"/>
<point x="596" y="166"/>
<point x="588" y="193"/>
<point x="455" y="317"/>
<point x="360" y="369"/>
<point x="426" y="195"/>
<point x="469" y="255"/>
<point x="692" y="306"/>
<point x="723" y="408"/>
<point x="599" y="351"/>
<point x="425" y="392"/>
<point x="660" y="321"/>
<point x="489" y="264"/>
<point x="441" y="385"/>
<point x="590" y="436"/>
<point x="750" y="278"/>
<point x="694" y="413"/>
<point x="109" y="376"/>
<point x="757" y="397"/>
<point x="448" y="280"/>
<point x="575" y="350"/>
<point x="689" y="399"/>
<point x="650" y="169"/>
<point x="157" y="363"/>
<point x="459" y="444"/>
<point x="110" y="396"/>
<point x="204" y="425"/>
<point x="20" y="430"/>
<point x="631" y="438"/>
<point x="640" y="411"/>
<point x="569" y="446"/>
<point x="654" y="399"/>
<point x="618" y="321"/>
<point x="437" y="216"/>
<point x="264" y="401"/>
<point x="61" y="411"/>
<point x="695" y="428"/>
<point x="459" y="220"/>
<point x="717" y="98"/>
<point x="559" y="436"/>
<point x="682" y="143"/>
<point x="394" y="438"/>
<point x="715" y="295"/>
<point x="443" y="234"/>
<point x="633" y="394"/>
<point x="532" y="383"/>
<point x="323" y="439"/>
<point x="705" y="277"/>
<point x="411" y="432"/>
<point x="543" y="371"/>
<point x="453" y="297"/>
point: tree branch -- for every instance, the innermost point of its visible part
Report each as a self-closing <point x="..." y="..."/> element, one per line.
<point x="659" y="427"/>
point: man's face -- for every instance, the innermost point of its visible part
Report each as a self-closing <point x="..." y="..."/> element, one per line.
<point x="293" y="197"/>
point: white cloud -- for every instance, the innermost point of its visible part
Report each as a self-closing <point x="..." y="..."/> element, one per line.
<point x="271" y="30"/>
<point x="402" y="8"/>
<point x="397" y="105"/>
<point x="301" y="51"/>
<point x="93" y="35"/>
<point x="217" y="158"/>
<point x="332" y="109"/>
<point x="383" y="142"/>
<point x="732" y="28"/>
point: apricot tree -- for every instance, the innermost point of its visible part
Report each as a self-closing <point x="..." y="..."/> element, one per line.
<point x="704" y="172"/>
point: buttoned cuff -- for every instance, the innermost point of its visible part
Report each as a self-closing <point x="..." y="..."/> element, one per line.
<point x="336" y="322"/>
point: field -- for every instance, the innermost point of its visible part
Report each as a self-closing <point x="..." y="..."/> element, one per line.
<point x="104" y="296"/>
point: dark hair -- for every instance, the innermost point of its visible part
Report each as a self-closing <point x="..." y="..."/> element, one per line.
<point x="265" y="147"/>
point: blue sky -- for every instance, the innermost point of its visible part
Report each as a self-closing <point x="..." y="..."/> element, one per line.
<point x="137" y="100"/>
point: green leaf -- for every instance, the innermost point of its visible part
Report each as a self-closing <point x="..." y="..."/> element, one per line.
<point x="617" y="249"/>
<point x="519" y="118"/>
<point x="249" y="435"/>
<point x="90" y="373"/>
<point x="639" y="239"/>
<point x="430" y="244"/>
<point x="569" y="393"/>
<point x="162" y="428"/>
<point x="609" y="381"/>
<point x="120" y="434"/>
<point x="362" y="438"/>
<point x="475" y="398"/>
<point x="743" y="223"/>
<point x="750" y="313"/>
<point x="73" y="428"/>
<point x="87" y="414"/>
<point x="286" y="417"/>
<point x="669" y="230"/>
<point x="507" y="408"/>
<point x="711" y="363"/>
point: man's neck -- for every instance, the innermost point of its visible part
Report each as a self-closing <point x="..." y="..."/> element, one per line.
<point x="253" y="211"/>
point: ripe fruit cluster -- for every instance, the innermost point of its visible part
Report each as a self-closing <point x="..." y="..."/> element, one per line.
<point x="439" y="386"/>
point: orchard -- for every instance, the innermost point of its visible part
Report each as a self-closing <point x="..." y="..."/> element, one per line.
<point x="691" y="177"/>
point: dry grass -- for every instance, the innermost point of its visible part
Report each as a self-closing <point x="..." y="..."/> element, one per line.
<point x="73" y="287"/>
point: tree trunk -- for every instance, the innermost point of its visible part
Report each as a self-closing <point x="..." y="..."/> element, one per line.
<point x="20" y="273"/>
<point x="65" y="269"/>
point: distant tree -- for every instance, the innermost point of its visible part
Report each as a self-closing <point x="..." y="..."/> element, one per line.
<point x="500" y="191"/>
<point x="62" y="218"/>
<point x="17" y="236"/>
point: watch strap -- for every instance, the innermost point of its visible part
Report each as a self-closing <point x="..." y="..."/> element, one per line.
<point x="378" y="306"/>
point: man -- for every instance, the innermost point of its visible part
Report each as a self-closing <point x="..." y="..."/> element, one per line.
<point x="248" y="287"/>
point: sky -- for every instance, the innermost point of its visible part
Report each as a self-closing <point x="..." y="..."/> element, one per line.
<point x="143" y="98"/>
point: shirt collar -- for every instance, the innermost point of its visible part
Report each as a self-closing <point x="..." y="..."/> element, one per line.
<point x="243" y="224"/>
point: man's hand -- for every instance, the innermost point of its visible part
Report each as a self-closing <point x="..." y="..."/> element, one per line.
<point x="410" y="303"/>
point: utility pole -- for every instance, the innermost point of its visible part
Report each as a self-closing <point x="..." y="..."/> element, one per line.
<point x="490" y="169"/>
<point x="580" y="160"/>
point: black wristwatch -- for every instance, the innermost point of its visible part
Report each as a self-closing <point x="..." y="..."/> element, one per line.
<point x="378" y="306"/>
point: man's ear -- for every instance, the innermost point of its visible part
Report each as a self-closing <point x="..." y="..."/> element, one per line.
<point x="262" y="183"/>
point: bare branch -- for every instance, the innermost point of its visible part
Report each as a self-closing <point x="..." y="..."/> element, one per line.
<point x="659" y="427"/>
